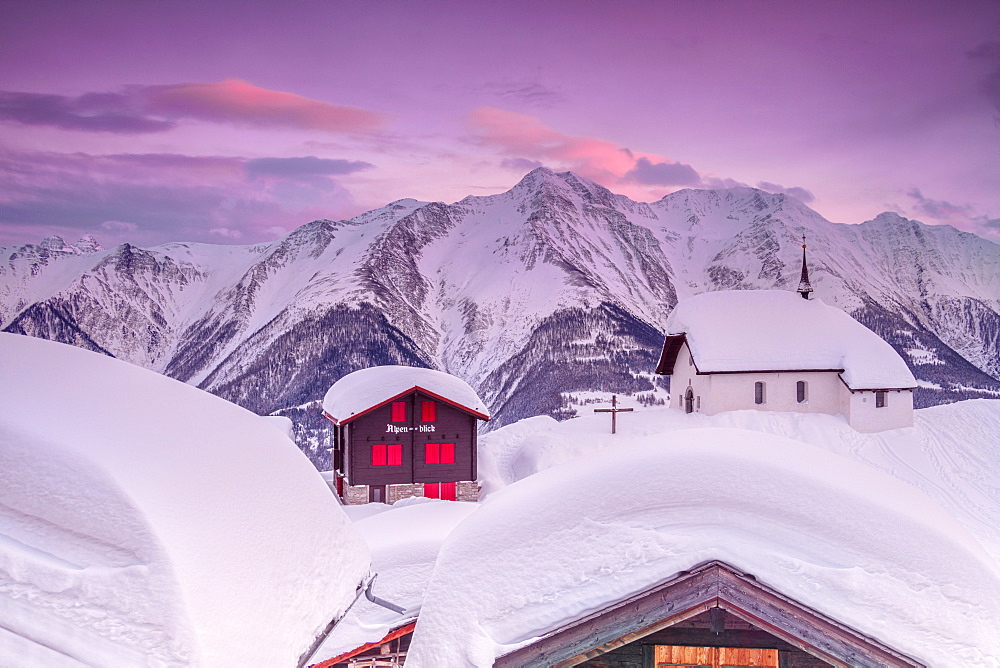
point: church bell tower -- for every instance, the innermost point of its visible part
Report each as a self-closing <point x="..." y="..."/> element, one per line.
<point x="804" y="286"/>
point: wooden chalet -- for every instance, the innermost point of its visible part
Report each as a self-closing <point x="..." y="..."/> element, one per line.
<point x="416" y="441"/>
<point x="712" y="616"/>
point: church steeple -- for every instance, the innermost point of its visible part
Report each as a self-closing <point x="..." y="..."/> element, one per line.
<point x="804" y="286"/>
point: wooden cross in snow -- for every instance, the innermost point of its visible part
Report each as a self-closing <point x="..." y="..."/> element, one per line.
<point x="614" y="410"/>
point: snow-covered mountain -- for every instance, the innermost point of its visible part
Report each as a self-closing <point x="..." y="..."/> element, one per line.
<point x="536" y="296"/>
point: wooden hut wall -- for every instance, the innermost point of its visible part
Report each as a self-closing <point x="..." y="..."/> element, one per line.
<point x="404" y="442"/>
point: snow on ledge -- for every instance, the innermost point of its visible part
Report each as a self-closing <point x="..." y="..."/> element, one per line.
<point x="358" y="391"/>
<point x="142" y="517"/>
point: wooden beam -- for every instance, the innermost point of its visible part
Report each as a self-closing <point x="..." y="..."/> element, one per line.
<point x="706" y="638"/>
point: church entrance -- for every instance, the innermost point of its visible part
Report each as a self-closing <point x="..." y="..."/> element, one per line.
<point x="689" y="401"/>
<point x="714" y="657"/>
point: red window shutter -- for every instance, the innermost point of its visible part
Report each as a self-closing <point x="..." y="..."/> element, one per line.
<point x="449" y="491"/>
<point x="399" y="411"/>
<point x="378" y="454"/>
<point x="447" y="453"/>
<point x="428" y="411"/>
<point x="432" y="453"/>
<point x="395" y="454"/>
<point x="432" y="490"/>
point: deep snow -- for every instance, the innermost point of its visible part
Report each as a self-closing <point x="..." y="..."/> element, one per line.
<point x="146" y="522"/>
<point x="896" y="534"/>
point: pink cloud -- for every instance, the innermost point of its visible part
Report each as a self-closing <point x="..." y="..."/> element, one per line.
<point x="237" y="101"/>
<point x="528" y="141"/>
<point x="151" y="109"/>
<point x="527" y="137"/>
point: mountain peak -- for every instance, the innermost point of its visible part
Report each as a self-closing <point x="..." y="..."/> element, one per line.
<point x="541" y="178"/>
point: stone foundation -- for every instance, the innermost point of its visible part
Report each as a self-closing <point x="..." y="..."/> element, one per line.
<point x="358" y="494"/>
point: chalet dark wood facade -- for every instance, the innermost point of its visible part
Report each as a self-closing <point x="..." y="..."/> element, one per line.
<point x="416" y="437"/>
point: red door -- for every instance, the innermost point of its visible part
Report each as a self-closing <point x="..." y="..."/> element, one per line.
<point x="446" y="491"/>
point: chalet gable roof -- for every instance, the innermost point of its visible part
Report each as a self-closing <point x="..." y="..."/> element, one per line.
<point x="363" y="391"/>
<point x="714" y="584"/>
<point x="748" y="331"/>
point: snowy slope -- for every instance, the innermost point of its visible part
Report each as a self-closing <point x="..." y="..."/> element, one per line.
<point x="896" y="534"/>
<point x="555" y="287"/>
<point x="145" y="522"/>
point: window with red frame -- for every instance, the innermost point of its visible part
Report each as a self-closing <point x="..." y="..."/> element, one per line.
<point x="439" y="453"/>
<point x="428" y="411"/>
<point x="399" y="411"/>
<point x="387" y="454"/>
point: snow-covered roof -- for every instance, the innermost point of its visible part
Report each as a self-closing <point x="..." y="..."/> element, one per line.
<point x="144" y="521"/>
<point x="362" y="390"/>
<point x="836" y="535"/>
<point x="773" y="330"/>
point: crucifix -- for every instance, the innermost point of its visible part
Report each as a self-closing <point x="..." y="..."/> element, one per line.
<point x="614" y="410"/>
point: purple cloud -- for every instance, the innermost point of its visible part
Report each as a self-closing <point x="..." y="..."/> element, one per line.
<point x="147" y="109"/>
<point x="530" y="93"/>
<point x="90" y="113"/>
<point x="520" y="164"/>
<point x="990" y="52"/>
<point x="304" y="167"/>
<point x="798" y="193"/>
<point x="964" y="217"/>
<point x="662" y="173"/>
<point x="154" y="198"/>
<point x="937" y="209"/>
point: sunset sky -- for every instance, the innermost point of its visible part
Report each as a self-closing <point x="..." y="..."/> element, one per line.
<point x="237" y="121"/>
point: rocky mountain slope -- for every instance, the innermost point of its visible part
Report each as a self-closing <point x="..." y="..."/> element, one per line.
<point x="538" y="297"/>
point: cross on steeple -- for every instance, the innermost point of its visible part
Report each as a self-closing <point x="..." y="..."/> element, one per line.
<point x="614" y="410"/>
<point x="804" y="286"/>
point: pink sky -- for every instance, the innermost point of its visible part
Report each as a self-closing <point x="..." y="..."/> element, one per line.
<point x="235" y="122"/>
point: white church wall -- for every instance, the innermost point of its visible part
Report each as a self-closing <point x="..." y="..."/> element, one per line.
<point x="864" y="414"/>
<point x="825" y="392"/>
<point x="686" y="375"/>
<point x="736" y="391"/>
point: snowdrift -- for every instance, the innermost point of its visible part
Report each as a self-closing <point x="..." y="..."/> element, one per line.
<point x="837" y="535"/>
<point x="145" y="522"/>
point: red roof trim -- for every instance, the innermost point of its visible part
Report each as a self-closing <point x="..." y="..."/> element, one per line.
<point x="392" y="635"/>
<point x="415" y="388"/>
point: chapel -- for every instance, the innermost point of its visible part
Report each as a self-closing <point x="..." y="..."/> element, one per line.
<point x="775" y="350"/>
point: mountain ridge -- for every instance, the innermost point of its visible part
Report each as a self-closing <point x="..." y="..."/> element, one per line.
<point x="555" y="288"/>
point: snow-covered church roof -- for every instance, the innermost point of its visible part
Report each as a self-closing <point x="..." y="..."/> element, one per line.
<point x="777" y="330"/>
<point x="364" y="389"/>
<point x="146" y="522"/>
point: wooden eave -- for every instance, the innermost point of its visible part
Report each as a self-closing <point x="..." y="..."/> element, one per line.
<point x="668" y="357"/>
<point x="415" y="388"/>
<point x="690" y="593"/>
<point x="875" y="389"/>
<point x="392" y="635"/>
